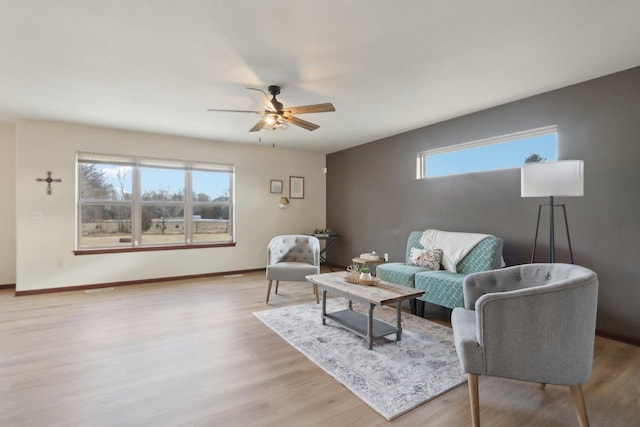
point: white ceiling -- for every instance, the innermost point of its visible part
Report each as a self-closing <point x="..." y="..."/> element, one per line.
<point x="387" y="66"/>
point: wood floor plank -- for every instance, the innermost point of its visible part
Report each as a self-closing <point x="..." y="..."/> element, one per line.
<point x="190" y="353"/>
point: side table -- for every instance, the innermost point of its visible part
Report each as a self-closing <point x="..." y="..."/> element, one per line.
<point x="365" y="261"/>
<point x="329" y="240"/>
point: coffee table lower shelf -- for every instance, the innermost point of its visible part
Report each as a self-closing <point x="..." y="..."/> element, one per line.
<point x="358" y="323"/>
<point x="363" y="324"/>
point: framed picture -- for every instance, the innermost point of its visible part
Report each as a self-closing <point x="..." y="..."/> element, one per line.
<point x="296" y="187"/>
<point x="276" y="186"/>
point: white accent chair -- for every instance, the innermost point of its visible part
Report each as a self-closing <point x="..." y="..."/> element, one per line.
<point x="291" y="258"/>
<point x="533" y="322"/>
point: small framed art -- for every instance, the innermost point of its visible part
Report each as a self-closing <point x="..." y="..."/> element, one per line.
<point x="276" y="186"/>
<point x="296" y="187"/>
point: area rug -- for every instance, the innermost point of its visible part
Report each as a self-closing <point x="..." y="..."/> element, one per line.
<point x="394" y="377"/>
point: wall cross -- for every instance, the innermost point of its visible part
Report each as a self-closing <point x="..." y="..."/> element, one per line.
<point x="48" y="180"/>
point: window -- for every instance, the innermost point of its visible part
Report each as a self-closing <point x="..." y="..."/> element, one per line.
<point x="124" y="203"/>
<point x="503" y="152"/>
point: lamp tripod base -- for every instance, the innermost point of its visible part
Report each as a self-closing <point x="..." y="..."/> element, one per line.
<point x="552" y="255"/>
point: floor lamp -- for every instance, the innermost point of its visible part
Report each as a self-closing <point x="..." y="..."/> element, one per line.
<point x="552" y="179"/>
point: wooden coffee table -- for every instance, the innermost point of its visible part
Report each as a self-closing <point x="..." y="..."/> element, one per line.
<point x="366" y="326"/>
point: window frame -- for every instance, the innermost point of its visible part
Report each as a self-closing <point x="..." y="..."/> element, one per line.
<point x="422" y="155"/>
<point x="136" y="203"/>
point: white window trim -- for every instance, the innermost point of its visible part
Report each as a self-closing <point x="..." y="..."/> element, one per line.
<point x="421" y="156"/>
<point x="136" y="202"/>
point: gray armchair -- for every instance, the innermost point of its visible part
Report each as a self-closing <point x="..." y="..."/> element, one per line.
<point x="292" y="257"/>
<point x="533" y="322"/>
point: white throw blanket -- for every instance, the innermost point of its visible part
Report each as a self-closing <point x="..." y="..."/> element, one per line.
<point x="455" y="246"/>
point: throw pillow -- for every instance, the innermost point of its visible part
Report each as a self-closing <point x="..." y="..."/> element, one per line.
<point x="432" y="259"/>
<point x="415" y="256"/>
<point x="426" y="258"/>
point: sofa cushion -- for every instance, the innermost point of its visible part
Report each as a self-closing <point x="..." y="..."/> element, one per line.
<point x="398" y="272"/>
<point x="486" y="255"/>
<point x="441" y="287"/>
<point x="293" y="271"/>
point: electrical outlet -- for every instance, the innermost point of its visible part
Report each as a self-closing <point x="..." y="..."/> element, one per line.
<point x="62" y="265"/>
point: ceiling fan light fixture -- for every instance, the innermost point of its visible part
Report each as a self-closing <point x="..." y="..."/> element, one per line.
<point x="275" y="122"/>
<point x="271" y="119"/>
<point x="282" y="124"/>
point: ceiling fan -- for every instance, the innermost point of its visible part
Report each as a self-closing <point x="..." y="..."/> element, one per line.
<point x="276" y="116"/>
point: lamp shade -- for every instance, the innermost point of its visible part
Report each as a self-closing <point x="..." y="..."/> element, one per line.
<point x="283" y="203"/>
<point x="562" y="178"/>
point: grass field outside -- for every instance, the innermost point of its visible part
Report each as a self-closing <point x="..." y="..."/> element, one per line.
<point x="124" y="240"/>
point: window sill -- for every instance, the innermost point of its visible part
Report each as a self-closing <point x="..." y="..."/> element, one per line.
<point x="152" y="248"/>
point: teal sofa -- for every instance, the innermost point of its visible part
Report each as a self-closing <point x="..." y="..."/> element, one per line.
<point x="442" y="287"/>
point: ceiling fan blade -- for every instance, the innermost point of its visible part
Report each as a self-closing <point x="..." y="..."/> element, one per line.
<point x="237" y="111"/>
<point x="264" y="100"/>
<point x="257" y="126"/>
<point x="316" y="108"/>
<point x="302" y="123"/>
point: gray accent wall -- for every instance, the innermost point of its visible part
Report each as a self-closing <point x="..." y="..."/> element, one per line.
<point x="374" y="199"/>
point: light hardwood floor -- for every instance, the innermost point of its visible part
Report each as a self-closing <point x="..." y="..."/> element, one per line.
<point x="190" y="353"/>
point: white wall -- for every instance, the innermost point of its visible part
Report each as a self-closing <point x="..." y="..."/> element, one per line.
<point x="45" y="246"/>
<point x="8" y="205"/>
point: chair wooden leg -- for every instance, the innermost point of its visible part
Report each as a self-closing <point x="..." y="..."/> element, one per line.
<point x="269" y="290"/>
<point x="474" y="399"/>
<point x="315" y="291"/>
<point x="578" y="401"/>
<point x="277" y="283"/>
